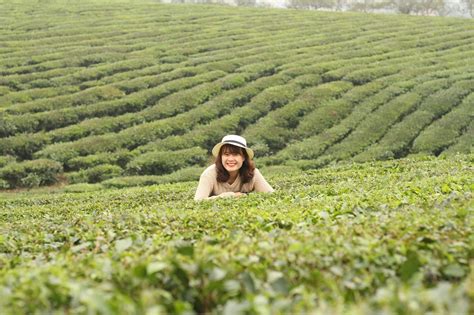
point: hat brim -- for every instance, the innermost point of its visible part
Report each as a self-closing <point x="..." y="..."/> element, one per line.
<point x="217" y="147"/>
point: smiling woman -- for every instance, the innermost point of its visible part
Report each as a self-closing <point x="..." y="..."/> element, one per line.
<point x="233" y="172"/>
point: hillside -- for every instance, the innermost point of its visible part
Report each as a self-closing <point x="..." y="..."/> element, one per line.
<point x="391" y="237"/>
<point x="138" y="92"/>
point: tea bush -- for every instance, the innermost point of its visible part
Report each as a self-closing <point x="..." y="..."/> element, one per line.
<point x="136" y="80"/>
<point x="157" y="163"/>
<point x="347" y="237"/>
<point x="120" y="158"/>
<point x="31" y="173"/>
<point x="95" y="174"/>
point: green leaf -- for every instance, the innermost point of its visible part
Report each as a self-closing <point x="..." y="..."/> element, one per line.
<point x="278" y="282"/>
<point x="185" y="249"/>
<point x="410" y="267"/>
<point x="248" y="282"/>
<point x="273" y="275"/>
<point x="445" y="189"/>
<point x="232" y="286"/>
<point x="217" y="274"/>
<point x="80" y="247"/>
<point x="234" y="307"/>
<point x="123" y="244"/>
<point x="426" y="240"/>
<point x="280" y="285"/>
<point x="155" y="267"/>
<point x="454" y="271"/>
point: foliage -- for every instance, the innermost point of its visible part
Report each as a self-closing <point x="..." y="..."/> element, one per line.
<point x="6" y="159"/>
<point x="95" y="174"/>
<point x="119" y="157"/>
<point x="82" y="187"/>
<point x="31" y="173"/>
<point x="415" y="7"/>
<point x="117" y="89"/>
<point x="386" y="237"/>
<point x="162" y="162"/>
<point x="181" y="175"/>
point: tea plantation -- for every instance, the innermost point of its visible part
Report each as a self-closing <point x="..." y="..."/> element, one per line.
<point x="390" y="237"/>
<point x="129" y="93"/>
<point x="362" y="123"/>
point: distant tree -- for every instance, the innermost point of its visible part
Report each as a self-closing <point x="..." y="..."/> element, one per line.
<point x="404" y="6"/>
<point x="316" y="4"/>
<point x="369" y="5"/>
<point x="246" y="3"/>
<point x="363" y="6"/>
<point x="420" y="7"/>
<point x="203" y="1"/>
<point x="470" y="7"/>
<point x="430" y="7"/>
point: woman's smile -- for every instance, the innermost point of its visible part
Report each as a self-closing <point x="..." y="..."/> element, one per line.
<point x="232" y="161"/>
<point x="231" y="164"/>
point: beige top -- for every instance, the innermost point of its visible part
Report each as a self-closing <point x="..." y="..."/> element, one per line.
<point x="209" y="187"/>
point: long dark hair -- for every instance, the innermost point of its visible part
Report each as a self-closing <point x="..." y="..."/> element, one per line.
<point x="247" y="170"/>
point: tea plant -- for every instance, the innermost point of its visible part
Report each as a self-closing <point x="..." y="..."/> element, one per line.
<point x="387" y="237"/>
<point x="93" y="85"/>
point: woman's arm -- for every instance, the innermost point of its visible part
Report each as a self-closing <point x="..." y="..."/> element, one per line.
<point x="204" y="188"/>
<point x="261" y="185"/>
<point x="201" y="194"/>
<point x="226" y="195"/>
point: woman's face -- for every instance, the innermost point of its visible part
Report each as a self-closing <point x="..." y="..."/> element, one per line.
<point x="232" y="160"/>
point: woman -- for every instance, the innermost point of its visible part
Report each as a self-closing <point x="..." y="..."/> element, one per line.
<point x="233" y="172"/>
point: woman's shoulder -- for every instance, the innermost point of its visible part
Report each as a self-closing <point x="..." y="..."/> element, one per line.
<point x="256" y="175"/>
<point x="210" y="171"/>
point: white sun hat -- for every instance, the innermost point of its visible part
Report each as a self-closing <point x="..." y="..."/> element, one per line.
<point x="235" y="140"/>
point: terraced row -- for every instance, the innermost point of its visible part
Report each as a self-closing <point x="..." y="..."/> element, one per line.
<point x="103" y="93"/>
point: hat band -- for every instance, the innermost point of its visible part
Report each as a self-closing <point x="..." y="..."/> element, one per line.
<point x="236" y="142"/>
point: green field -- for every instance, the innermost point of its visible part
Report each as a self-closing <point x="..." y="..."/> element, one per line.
<point x="118" y="92"/>
<point x="390" y="237"/>
<point x="362" y="123"/>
